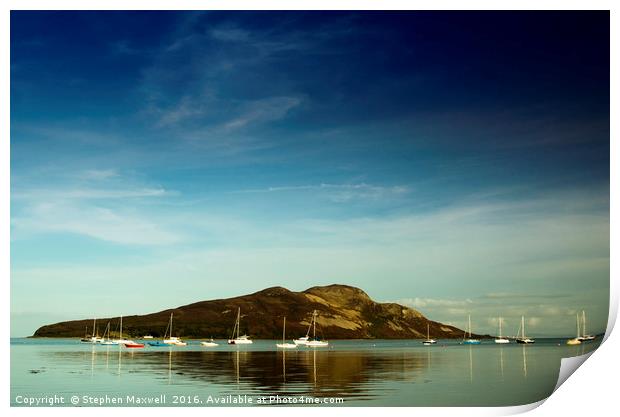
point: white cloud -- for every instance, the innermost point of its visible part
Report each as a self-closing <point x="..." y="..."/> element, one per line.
<point x="86" y="193"/>
<point x="98" y="174"/>
<point x="338" y="192"/>
<point x="96" y="222"/>
<point x="261" y="111"/>
<point x="100" y="204"/>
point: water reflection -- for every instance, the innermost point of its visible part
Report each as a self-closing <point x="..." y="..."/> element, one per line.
<point x="314" y="372"/>
<point x="365" y="374"/>
<point x="501" y="361"/>
<point x="471" y="365"/>
<point x="169" y="366"/>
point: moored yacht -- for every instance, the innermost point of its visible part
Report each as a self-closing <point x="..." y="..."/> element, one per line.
<point x="209" y="343"/>
<point x="284" y="344"/>
<point x="172" y="340"/>
<point x="121" y="340"/>
<point x="469" y="340"/>
<point x="501" y="339"/>
<point x="314" y="342"/>
<point x="239" y="340"/>
<point x="585" y="337"/>
<point x="428" y="340"/>
<point x="577" y="339"/>
<point x="94" y="337"/>
<point x="521" y="337"/>
<point x="302" y="340"/>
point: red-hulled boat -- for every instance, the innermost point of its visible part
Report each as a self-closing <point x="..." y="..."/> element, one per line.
<point x="134" y="345"/>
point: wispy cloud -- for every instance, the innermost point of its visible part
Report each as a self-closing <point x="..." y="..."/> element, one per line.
<point x="86" y="193"/>
<point x="338" y="192"/>
<point x="261" y="111"/>
<point x="96" y="222"/>
<point x="95" y="203"/>
<point x="99" y="174"/>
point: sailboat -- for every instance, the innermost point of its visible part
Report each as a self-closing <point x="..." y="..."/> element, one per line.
<point x="239" y="340"/>
<point x="469" y="340"/>
<point x="523" y="339"/>
<point x="173" y="340"/>
<point x="428" y="340"/>
<point x="85" y="339"/>
<point x="285" y="345"/>
<point x="577" y="339"/>
<point x="585" y="337"/>
<point x="120" y="340"/>
<point x="94" y="337"/>
<point x="303" y="341"/>
<point x="500" y="338"/>
<point x="209" y="343"/>
<point x="107" y="341"/>
<point x="314" y="342"/>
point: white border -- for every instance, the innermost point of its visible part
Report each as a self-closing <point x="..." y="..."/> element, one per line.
<point x="590" y="392"/>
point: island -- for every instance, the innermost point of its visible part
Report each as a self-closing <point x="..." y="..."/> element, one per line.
<point x="343" y="312"/>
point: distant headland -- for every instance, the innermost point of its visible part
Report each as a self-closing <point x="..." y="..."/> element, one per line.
<point x="344" y="312"/>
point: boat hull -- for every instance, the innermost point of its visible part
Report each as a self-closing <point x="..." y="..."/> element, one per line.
<point x="525" y="341"/>
<point x="471" y="342"/>
<point x="316" y="343"/>
<point x="208" y="344"/>
<point x="286" y="345"/>
<point x="239" y="342"/>
<point x="572" y="342"/>
<point x="502" y="341"/>
<point x="134" y="345"/>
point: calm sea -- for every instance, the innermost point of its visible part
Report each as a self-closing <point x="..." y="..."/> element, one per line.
<point x="348" y="373"/>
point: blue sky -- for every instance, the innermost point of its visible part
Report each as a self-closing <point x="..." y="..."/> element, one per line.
<point x="454" y="162"/>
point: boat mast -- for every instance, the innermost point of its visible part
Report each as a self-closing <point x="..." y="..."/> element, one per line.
<point x="284" y="330"/>
<point x="578" y="329"/>
<point x="469" y="325"/>
<point x="314" y="328"/>
<point x="171" y="325"/>
<point x="310" y="325"/>
<point x="94" y="323"/>
<point x="120" y="336"/>
<point x="500" y="327"/>
<point x="583" y="319"/>
<point x="238" y="321"/>
<point x="523" y="326"/>
<point x="428" y="331"/>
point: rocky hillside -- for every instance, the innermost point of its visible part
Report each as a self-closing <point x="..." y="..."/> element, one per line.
<point x="344" y="312"/>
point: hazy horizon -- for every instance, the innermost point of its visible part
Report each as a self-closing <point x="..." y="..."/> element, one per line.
<point x="454" y="162"/>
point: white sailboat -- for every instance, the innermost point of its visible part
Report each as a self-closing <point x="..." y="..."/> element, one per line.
<point x="239" y="340"/>
<point x="428" y="340"/>
<point x="469" y="340"/>
<point x="577" y="339"/>
<point x="501" y="339"/>
<point x="107" y="341"/>
<point x="209" y="343"/>
<point x="121" y="340"/>
<point x="523" y="339"/>
<point x="285" y="345"/>
<point x="585" y="337"/>
<point x="94" y="337"/>
<point x="173" y="340"/>
<point x="314" y="342"/>
<point x="303" y="341"/>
